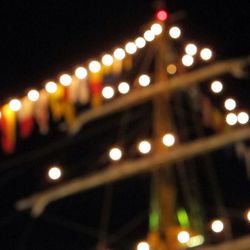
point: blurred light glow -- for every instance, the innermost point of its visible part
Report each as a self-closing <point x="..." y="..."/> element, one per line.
<point x="175" y="32"/>
<point x="183" y="237"/>
<point x="51" y="87"/>
<point x="144" y="80"/>
<point x="231" y="119"/>
<point x="140" y="42"/>
<point x="243" y="117"/>
<point x="191" y="49"/>
<point x="196" y="241"/>
<point x="94" y="66"/>
<point x="65" y="80"/>
<point x="54" y="173"/>
<point x="108" y="92"/>
<point x="248" y="215"/>
<point x="123" y="87"/>
<point x="107" y="60"/>
<point x="217" y="226"/>
<point x="171" y="69"/>
<point x="187" y="60"/>
<point x="156" y="28"/>
<point x="119" y="54"/>
<point x="130" y="48"/>
<point x="144" y="147"/>
<point x="149" y="36"/>
<point x="15" y="105"/>
<point x="33" y="95"/>
<point x="216" y="86"/>
<point x="230" y="104"/>
<point x="206" y="54"/>
<point x="143" y="246"/>
<point x="168" y="140"/>
<point x="115" y="154"/>
<point x="81" y="73"/>
<point x="162" y="15"/>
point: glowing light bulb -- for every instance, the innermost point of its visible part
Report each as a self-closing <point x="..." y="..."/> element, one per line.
<point x="156" y="28"/>
<point x="108" y="92"/>
<point x="107" y="60"/>
<point x="217" y="226"/>
<point x="243" y="118"/>
<point x="230" y="104"/>
<point x="171" y="69"/>
<point x="51" y="87"/>
<point x="143" y="246"/>
<point x="168" y="140"/>
<point x="216" y="86"/>
<point x="81" y="73"/>
<point x="130" y="48"/>
<point x="248" y="215"/>
<point x="33" y="95"/>
<point x="115" y="154"/>
<point x="162" y="15"/>
<point x="144" y="80"/>
<point x="140" y="42"/>
<point x="175" y="32"/>
<point x="206" y="54"/>
<point x="149" y="36"/>
<point x="54" y="173"/>
<point x="123" y="87"/>
<point x="94" y="66"/>
<point x="187" y="60"/>
<point x="15" y="105"/>
<point x="119" y="54"/>
<point x="231" y="119"/>
<point x="183" y="237"/>
<point x="144" y="147"/>
<point x="191" y="49"/>
<point x="65" y="80"/>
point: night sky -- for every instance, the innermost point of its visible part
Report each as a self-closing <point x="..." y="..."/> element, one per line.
<point x="39" y="40"/>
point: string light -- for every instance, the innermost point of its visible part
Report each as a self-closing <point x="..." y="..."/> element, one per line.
<point x="230" y="104"/>
<point x="191" y="49"/>
<point x="15" y="105"/>
<point x="144" y="147"/>
<point x="187" y="60"/>
<point x="206" y="54"/>
<point x="81" y="73"/>
<point x="168" y="140"/>
<point x="130" y="48"/>
<point x="140" y="42"/>
<point x="54" y="173"/>
<point x="144" y="80"/>
<point x="243" y="117"/>
<point x="156" y="28"/>
<point x="175" y="32"/>
<point x="171" y="69"/>
<point x="115" y="154"/>
<point x="51" y="87"/>
<point x="162" y="15"/>
<point x="231" y="119"/>
<point x="143" y="246"/>
<point x="33" y="95"/>
<point x="216" y="86"/>
<point x="149" y="36"/>
<point x="183" y="237"/>
<point x="119" y="54"/>
<point x="94" y="66"/>
<point x="195" y="241"/>
<point x="123" y="87"/>
<point x="248" y="215"/>
<point x="65" y="80"/>
<point x="107" y="60"/>
<point x="217" y="226"/>
<point x="108" y="92"/>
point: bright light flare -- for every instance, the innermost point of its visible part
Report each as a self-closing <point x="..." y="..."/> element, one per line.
<point x="187" y="60"/>
<point x="162" y="15"/>
<point x="216" y="86"/>
<point x="33" y="95"/>
<point x="94" y="66"/>
<point x="140" y="42"/>
<point x="143" y="246"/>
<point x="55" y="173"/>
<point x="168" y="140"/>
<point x="65" y="80"/>
<point x="230" y="104"/>
<point x="123" y="88"/>
<point x="107" y="60"/>
<point x="217" y="226"/>
<point x="206" y="54"/>
<point x="183" y="237"/>
<point x="231" y="119"/>
<point x="175" y="32"/>
<point x="51" y="87"/>
<point x="156" y="28"/>
<point x="115" y="154"/>
<point x="191" y="49"/>
<point x="15" y="105"/>
<point x="108" y="92"/>
<point x="243" y="117"/>
<point x="144" y="80"/>
<point x="81" y="73"/>
<point x="248" y="215"/>
<point x="149" y="35"/>
<point x="144" y="147"/>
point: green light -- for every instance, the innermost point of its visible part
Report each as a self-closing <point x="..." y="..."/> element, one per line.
<point x="195" y="241"/>
<point x="154" y="219"/>
<point x="183" y="217"/>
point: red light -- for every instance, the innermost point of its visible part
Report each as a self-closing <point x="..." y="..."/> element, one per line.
<point x="162" y="15"/>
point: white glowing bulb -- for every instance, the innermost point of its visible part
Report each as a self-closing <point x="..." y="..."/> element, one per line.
<point x="144" y="80"/>
<point x="115" y="154"/>
<point x="149" y="35"/>
<point x="81" y="73"/>
<point x="123" y="87"/>
<point x="230" y="104"/>
<point x="108" y="92"/>
<point x="144" y="147"/>
<point x="168" y="140"/>
<point x="191" y="49"/>
<point x="94" y="66"/>
<point x="175" y="32"/>
<point x="187" y="60"/>
<point x="248" y="215"/>
<point x="51" y="87"/>
<point x="107" y="60"/>
<point x="55" y="173"/>
<point x="231" y="119"/>
<point x="65" y="80"/>
<point x="143" y="246"/>
<point x="140" y="42"/>
<point x="33" y="95"/>
<point x="130" y="48"/>
<point x="206" y="54"/>
<point x="119" y="54"/>
<point x="183" y="237"/>
<point x="243" y="118"/>
<point x="15" y="105"/>
<point x="216" y="86"/>
<point x="156" y="29"/>
<point x="217" y="226"/>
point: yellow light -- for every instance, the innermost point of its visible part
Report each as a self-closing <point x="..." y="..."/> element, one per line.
<point x="119" y="54"/>
<point x="33" y="95"/>
<point x="54" y="173"/>
<point x="248" y="215"/>
<point x="231" y="119"/>
<point x="65" y="80"/>
<point x="183" y="237"/>
<point x="216" y="86"/>
<point x="171" y="69"/>
<point x="191" y="49"/>
<point x="206" y="54"/>
<point x="195" y="241"/>
<point x="217" y="226"/>
<point x="107" y="60"/>
<point x="149" y="36"/>
<point x="144" y="80"/>
<point x="143" y="246"/>
<point x="140" y="42"/>
<point x="94" y="66"/>
<point x="156" y="28"/>
<point x="108" y="92"/>
<point x="175" y="32"/>
<point x="230" y="104"/>
<point x="123" y="87"/>
<point x="168" y="140"/>
<point x="51" y="87"/>
<point x="81" y="73"/>
<point x="15" y="105"/>
<point x="144" y="147"/>
<point x="130" y="48"/>
<point x="187" y="60"/>
<point x="115" y="154"/>
<point x="243" y="118"/>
